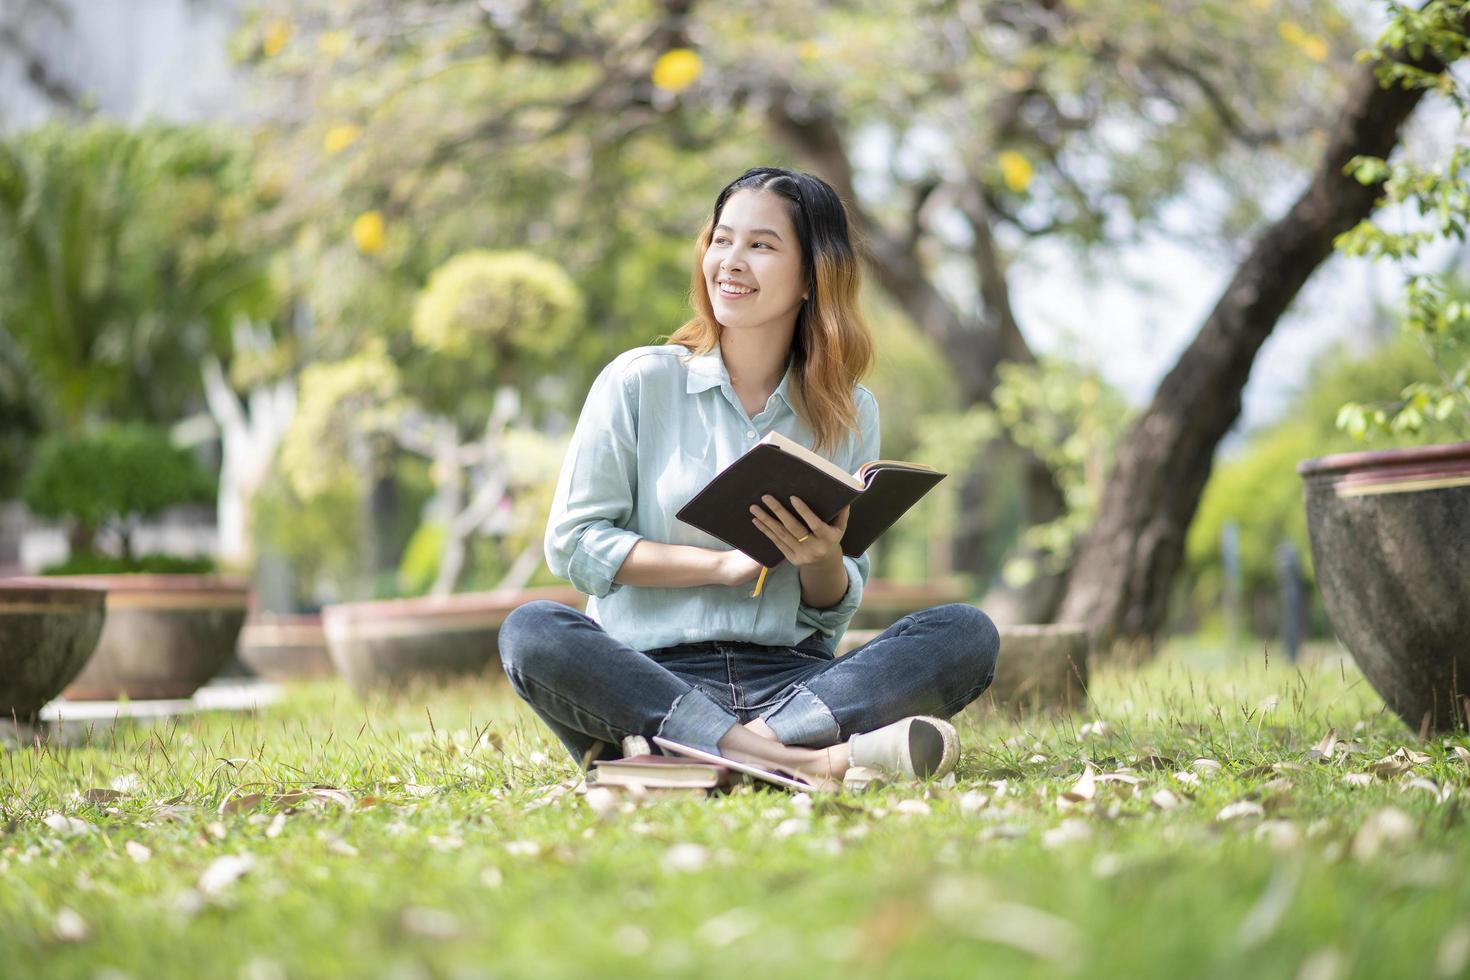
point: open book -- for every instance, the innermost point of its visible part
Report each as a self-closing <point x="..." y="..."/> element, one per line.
<point x="880" y="491"/>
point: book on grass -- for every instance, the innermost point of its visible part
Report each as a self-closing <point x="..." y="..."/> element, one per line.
<point x="880" y="492"/>
<point x="659" y="772"/>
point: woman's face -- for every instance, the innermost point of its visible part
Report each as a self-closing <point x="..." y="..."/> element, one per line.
<point x="752" y="269"/>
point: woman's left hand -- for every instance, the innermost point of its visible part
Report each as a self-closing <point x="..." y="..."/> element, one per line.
<point x="823" y="542"/>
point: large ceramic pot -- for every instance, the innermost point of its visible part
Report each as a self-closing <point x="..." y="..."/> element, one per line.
<point x="1390" y="536"/>
<point x="48" y="630"/>
<point x="885" y="601"/>
<point x="281" y="647"/>
<point x="391" y="642"/>
<point x="166" y="635"/>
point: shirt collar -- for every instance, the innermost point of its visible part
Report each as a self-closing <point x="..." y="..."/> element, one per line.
<point x="708" y="371"/>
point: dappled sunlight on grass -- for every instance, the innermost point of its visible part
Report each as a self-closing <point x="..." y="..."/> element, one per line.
<point x="1212" y="810"/>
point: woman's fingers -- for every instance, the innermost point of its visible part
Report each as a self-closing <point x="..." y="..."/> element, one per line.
<point x="789" y="521"/>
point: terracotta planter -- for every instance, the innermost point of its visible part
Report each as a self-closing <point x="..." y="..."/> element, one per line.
<point x="166" y="635"/>
<point x="286" y="647"/>
<point x="48" y="630"/>
<point x="392" y="642"/>
<point x="885" y="601"/>
<point x="1390" y="536"/>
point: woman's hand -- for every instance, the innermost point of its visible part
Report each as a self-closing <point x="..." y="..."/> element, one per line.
<point x="802" y="537"/>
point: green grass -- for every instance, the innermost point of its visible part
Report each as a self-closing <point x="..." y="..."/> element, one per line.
<point x="457" y="855"/>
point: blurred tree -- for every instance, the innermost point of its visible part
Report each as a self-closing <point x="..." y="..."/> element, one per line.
<point x="1124" y="575"/>
<point x="1260" y="492"/>
<point x="598" y="131"/>
<point x="20" y="421"/>
<point x="110" y="480"/>
<point x="124" y="259"/>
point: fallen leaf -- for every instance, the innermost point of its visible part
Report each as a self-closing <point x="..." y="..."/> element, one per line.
<point x="685" y="858"/>
<point x="973" y="801"/>
<point x="1324" y="749"/>
<point x="1454" y="951"/>
<point x="215" y="829"/>
<point x="138" y="852"/>
<point x="1093" y="728"/>
<point x="1281" y="835"/>
<point x="128" y="782"/>
<point x="1068" y="831"/>
<point x="99" y="795"/>
<point x="1165" y="800"/>
<point x="1463" y="754"/>
<point x="1429" y="786"/>
<point x="240" y="804"/>
<point x="69" y="927"/>
<point x="1187" y="778"/>
<point x="1205" y="765"/>
<point x="1357" y="779"/>
<point x="224" y="872"/>
<point x="912" y="808"/>
<point x="341" y="848"/>
<point x="727" y="927"/>
<point x="429" y="923"/>
<point x="1240" y="809"/>
<point x="1261" y="922"/>
<point x="67" y="826"/>
<point x="1386" y="828"/>
<point x="1119" y="777"/>
<point x="790" y="827"/>
<point x="1085" y="788"/>
<point x="277" y="824"/>
<point x="1155" y="762"/>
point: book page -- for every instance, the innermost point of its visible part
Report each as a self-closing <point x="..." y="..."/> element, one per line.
<point x="796" y="449"/>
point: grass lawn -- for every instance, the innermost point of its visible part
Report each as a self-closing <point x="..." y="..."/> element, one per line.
<point x="1208" y="841"/>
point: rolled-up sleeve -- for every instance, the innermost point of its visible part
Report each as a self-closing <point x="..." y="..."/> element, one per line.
<point x="832" y="621"/>
<point x="587" y="531"/>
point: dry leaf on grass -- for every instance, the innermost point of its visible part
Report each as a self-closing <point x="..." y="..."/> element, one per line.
<point x="277" y="824"/>
<point x="1240" y="809"/>
<point x="912" y="808"/>
<point x="1357" y="779"/>
<point x="99" y="795"/>
<point x="138" y="852"/>
<point x="429" y="924"/>
<point x="69" y="927"/>
<point x="1386" y="828"/>
<point x="1068" y="831"/>
<point x="1205" y="766"/>
<point x="64" y="825"/>
<point x="1462" y="753"/>
<point x="243" y="803"/>
<point x="1324" y="749"/>
<point x="1085" y="788"/>
<point x="1440" y="793"/>
<point x="1165" y="800"/>
<point x="685" y="858"/>
<point x="223" y="872"/>
<point x="1261" y="922"/>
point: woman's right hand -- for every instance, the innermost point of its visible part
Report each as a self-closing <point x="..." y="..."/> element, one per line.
<point x="736" y="568"/>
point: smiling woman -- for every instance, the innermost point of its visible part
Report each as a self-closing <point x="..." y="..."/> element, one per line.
<point x="670" y="644"/>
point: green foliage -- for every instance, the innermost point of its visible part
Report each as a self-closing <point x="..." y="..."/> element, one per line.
<point x="91" y="563"/>
<point x="420" y="564"/>
<point x="113" y="478"/>
<point x="1439" y="197"/>
<point x="486" y="319"/>
<point x="1259" y="490"/>
<point x="126" y="255"/>
<point x="20" y="420"/>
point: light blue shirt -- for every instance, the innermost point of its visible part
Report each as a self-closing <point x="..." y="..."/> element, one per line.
<point x="657" y="426"/>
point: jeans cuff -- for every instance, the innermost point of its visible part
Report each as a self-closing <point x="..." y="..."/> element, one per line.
<point x="697" y="721"/>
<point x="803" y="719"/>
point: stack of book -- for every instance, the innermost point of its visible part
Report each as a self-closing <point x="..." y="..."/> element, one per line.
<point x="660" y="772"/>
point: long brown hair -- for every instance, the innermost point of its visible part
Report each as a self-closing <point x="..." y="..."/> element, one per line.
<point x="832" y="347"/>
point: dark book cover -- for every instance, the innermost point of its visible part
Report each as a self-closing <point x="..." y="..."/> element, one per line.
<point x="722" y="508"/>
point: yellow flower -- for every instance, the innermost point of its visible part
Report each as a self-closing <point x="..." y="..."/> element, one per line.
<point x="367" y="232"/>
<point x="333" y="44"/>
<point x="340" y="137"/>
<point x="1290" y="32"/>
<point x="808" y="50"/>
<point x="1314" y="46"/>
<point x="677" y="69"/>
<point x="277" y="33"/>
<point x="1015" y="170"/>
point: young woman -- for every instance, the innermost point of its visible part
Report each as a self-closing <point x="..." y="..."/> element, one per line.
<point x="673" y="642"/>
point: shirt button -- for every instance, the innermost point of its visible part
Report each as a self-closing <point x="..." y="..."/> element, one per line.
<point x="750" y="434"/>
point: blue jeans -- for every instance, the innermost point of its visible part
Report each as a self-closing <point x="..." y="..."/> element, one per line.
<point x="590" y="688"/>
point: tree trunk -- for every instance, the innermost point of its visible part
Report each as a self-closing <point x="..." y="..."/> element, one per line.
<point x="1121" y="582"/>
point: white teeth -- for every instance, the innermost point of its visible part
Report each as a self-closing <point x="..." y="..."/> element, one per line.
<point x="726" y="287"/>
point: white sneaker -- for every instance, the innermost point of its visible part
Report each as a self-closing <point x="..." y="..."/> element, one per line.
<point x="917" y="746"/>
